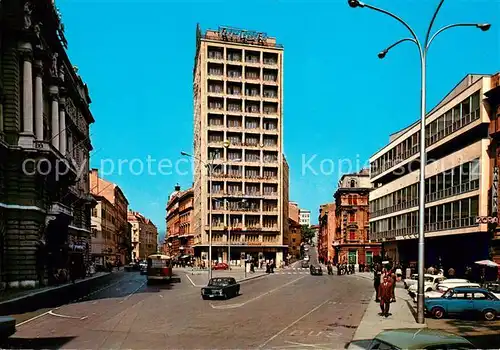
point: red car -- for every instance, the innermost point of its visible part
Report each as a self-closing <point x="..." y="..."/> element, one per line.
<point x="220" y="266"/>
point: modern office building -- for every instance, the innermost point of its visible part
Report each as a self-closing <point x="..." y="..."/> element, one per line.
<point x="238" y="124"/>
<point x="458" y="179"/>
<point x="305" y="217"/>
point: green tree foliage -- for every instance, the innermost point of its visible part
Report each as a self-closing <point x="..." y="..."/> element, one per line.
<point x="307" y="233"/>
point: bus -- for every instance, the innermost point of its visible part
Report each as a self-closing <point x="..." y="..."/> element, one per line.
<point x="159" y="267"/>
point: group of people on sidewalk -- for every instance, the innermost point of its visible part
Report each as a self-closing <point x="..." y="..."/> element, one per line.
<point x="384" y="282"/>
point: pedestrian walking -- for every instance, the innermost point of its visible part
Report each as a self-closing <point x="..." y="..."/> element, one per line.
<point x="451" y="272"/>
<point x="376" y="282"/>
<point x="393" y="282"/>
<point x="385" y="293"/>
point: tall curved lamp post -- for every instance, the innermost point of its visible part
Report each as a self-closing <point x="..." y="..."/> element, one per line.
<point x="423" y="48"/>
<point x="210" y="168"/>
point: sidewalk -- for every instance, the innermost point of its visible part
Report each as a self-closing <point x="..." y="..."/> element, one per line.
<point x="401" y="314"/>
<point x="21" y="301"/>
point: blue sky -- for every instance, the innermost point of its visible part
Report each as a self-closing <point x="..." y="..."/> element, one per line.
<point x="340" y="100"/>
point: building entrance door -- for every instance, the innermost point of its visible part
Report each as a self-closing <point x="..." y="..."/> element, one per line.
<point x="353" y="257"/>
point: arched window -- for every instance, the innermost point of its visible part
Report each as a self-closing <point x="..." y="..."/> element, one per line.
<point x="353" y="183"/>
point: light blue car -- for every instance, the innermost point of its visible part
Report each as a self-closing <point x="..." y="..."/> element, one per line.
<point x="464" y="301"/>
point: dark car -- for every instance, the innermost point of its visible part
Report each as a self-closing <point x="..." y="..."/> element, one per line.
<point x="316" y="270"/>
<point x="7" y="327"/>
<point x="221" y="287"/>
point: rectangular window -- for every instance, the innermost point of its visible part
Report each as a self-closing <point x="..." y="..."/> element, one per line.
<point x="475" y="101"/>
<point x="474" y="170"/>
<point x="456" y="176"/>
<point x="464" y="208"/>
<point x="352" y="235"/>
<point x="465" y="172"/>
<point x="455" y="208"/>
<point x="474" y="206"/>
<point x="447" y="212"/>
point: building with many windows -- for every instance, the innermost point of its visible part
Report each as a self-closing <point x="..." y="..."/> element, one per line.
<point x="351" y="241"/>
<point x="179" y="237"/>
<point x="238" y="124"/>
<point x="305" y="217"/>
<point x="44" y="148"/>
<point x="458" y="180"/>
<point x="113" y="242"/>
<point x="146" y="232"/>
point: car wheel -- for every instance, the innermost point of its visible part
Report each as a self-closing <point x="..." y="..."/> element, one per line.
<point x="406" y="286"/>
<point x="489" y="315"/>
<point x="438" y="313"/>
<point x="429" y="290"/>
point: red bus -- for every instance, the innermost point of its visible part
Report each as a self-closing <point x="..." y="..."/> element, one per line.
<point x="159" y="267"/>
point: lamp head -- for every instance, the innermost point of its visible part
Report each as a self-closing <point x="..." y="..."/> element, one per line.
<point x="484" y="26"/>
<point x="226" y="143"/>
<point x="355" y="3"/>
<point x="184" y="154"/>
<point x="382" y="54"/>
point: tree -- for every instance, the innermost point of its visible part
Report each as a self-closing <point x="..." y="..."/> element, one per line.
<point x="307" y="233"/>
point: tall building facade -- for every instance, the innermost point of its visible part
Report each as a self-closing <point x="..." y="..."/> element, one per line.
<point x="44" y="148"/>
<point x="238" y="89"/>
<point x="179" y="238"/>
<point x="305" y="217"/>
<point x="351" y="242"/>
<point x="147" y="234"/>
<point x="326" y="233"/>
<point x="117" y="230"/>
<point x="457" y="185"/>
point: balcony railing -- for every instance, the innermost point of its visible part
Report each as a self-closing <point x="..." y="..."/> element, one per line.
<point x="430" y="197"/>
<point x="457" y="125"/>
<point x="438" y="226"/>
<point x="450" y="129"/>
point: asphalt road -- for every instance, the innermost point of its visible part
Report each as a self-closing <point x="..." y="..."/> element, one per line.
<point x="272" y="312"/>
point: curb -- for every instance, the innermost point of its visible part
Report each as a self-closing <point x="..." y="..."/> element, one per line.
<point x="51" y="297"/>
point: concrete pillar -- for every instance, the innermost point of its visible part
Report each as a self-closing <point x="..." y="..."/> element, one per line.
<point x="62" y="127"/>
<point x="27" y="95"/>
<point x="55" y="116"/>
<point x="39" y="101"/>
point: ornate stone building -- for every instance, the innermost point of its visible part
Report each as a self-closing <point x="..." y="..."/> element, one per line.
<point x="351" y="243"/>
<point x="44" y="148"/>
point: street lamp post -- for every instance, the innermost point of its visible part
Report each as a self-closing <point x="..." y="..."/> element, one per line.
<point x="423" y="49"/>
<point x="210" y="168"/>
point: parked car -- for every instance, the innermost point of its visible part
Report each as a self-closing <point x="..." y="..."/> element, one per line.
<point x="439" y="293"/>
<point x="7" y="327"/>
<point x="221" y="287"/>
<point x="316" y="270"/>
<point x="416" y="339"/>
<point x="464" y="300"/>
<point x="414" y="279"/>
<point x="443" y="287"/>
<point x="430" y="283"/>
<point x="220" y="266"/>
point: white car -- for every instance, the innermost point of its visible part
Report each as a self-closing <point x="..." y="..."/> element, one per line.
<point x="430" y="283"/>
<point x="455" y="282"/>
<point x="414" y="279"/>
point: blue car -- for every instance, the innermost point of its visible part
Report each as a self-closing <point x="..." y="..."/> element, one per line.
<point x="464" y="300"/>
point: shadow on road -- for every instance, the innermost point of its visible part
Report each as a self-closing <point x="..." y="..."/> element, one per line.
<point x="36" y="343"/>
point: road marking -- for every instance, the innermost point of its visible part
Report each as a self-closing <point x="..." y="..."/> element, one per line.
<point x="293" y="323"/>
<point x="190" y="280"/>
<point x="233" y="306"/>
<point x="33" y="318"/>
<point x="128" y="296"/>
<point x="66" y="316"/>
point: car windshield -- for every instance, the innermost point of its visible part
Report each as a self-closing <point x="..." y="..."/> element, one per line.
<point x="219" y="282"/>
